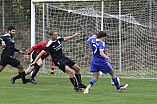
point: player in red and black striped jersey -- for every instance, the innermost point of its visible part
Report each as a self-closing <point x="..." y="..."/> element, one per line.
<point x="64" y="63"/>
<point x="36" y="50"/>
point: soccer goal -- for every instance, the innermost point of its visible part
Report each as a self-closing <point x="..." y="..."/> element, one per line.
<point x="131" y="41"/>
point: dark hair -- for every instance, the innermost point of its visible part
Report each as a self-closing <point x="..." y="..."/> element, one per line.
<point x="51" y="32"/>
<point x="11" y="28"/>
<point x="101" y="34"/>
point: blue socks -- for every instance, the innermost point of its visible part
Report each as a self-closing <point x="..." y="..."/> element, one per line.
<point x="116" y="82"/>
<point x="92" y="81"/>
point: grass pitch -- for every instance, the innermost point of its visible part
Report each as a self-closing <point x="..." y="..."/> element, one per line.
<point x="55" y="90"/>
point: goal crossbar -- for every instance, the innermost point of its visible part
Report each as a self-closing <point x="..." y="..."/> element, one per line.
<point x="38" y="1"/>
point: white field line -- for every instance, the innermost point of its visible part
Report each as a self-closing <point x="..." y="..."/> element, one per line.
<point x="126" y="94"/>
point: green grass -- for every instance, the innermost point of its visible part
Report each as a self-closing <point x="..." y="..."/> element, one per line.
<point x="55" y="90"/>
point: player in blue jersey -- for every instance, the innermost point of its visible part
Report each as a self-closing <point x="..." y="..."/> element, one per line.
<point x="7" y="56"/>
<point x="100" y="61"/>
<point x="60" y="60"/>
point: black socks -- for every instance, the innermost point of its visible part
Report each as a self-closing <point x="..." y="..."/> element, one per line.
<point x="78" y="76"/>
<point x="35" y="71"/>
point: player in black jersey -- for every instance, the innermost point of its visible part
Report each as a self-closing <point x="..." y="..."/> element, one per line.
<point x="64" y="63"/>
<point x="7" y="42"/>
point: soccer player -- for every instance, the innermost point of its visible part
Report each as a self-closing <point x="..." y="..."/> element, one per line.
<point x="36" y="50"/>
<point x="100" y="61"/>
<point x="8" y="43"/>
<point x="64" y="63"/>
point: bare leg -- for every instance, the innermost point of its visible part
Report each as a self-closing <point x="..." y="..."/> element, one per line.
<point x="78" y="76"/>
<point x="1" y="67"/>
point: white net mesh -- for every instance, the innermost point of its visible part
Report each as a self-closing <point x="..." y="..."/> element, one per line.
<point x="138" y="34"/>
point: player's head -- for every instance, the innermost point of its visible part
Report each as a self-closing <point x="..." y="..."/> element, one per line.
<point x="101" y="34"/>
<point x="53" y="34"/>
<point x="11" y="30"/>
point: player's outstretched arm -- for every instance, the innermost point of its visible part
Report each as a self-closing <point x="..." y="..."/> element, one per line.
<point x="70" y="37"/>
<point x="31" y="50"/>
<point x="21" y="52"/>
<point x="37" y="58"/>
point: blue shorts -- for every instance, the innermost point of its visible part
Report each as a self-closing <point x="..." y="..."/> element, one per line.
<point x="105" y="67"/>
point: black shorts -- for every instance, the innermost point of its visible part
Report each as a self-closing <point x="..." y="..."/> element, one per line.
<point x="34" y="55"/>
<point x="65" y="61"/>
<point x="9" y="60"/>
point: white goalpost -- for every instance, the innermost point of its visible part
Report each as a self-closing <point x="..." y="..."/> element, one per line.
<point x="131" y="41"/>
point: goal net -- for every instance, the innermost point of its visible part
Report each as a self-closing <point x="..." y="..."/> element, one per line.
<point x="131" y="40"/>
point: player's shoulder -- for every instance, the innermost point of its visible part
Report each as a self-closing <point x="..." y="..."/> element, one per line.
<point x="5" y="35"/>
<point x="60" y="38"/>
<point x="92" y="40"/>
<point x="43" y="43"/>
<point x="100" y="42"/>
<point x="49" y="43"/>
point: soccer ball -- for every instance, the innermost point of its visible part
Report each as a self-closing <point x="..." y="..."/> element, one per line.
<point x="113" y="82"/>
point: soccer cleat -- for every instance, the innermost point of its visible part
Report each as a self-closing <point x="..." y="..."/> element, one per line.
<point x="82" y="86"/>
<point x="13" y="81"/>
<point x="87" y="89"/>
<point x="122" y="87"/>
<point x="26" y="81"/>
<point x="52" y="72"/>
<point x="79" y="90"/>
<point x="32" y="80"/>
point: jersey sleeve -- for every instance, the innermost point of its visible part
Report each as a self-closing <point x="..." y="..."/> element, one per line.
<point x="1" y="40"/>
<point x="47" y="47"/>
<point x="92" y="40"/>
<point x="60" y="39"/>
<point x="102" y="46"/>
<point x="16" y="50"/>
<point x="34" y="48"/>
<point x="89" y="40"/>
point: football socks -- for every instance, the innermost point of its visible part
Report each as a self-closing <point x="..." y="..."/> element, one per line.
<point x="92" y="81"/>
<point x="78" y="77"/>
<point x="115" y="80"/>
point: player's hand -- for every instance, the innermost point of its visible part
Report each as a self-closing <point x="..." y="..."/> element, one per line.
<point x="32" y="64"/>
<point x="108" y="55"/>
<point x="77" y="34"/>
<point x="26" y="56"/>
<point x="108" y="58"/>
<point x="3" y="44"/>
<point x="21" y="52"/>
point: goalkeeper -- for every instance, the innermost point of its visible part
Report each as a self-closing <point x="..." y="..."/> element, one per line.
<point x="64" y="63"/>
<point x="36" y="50"/>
